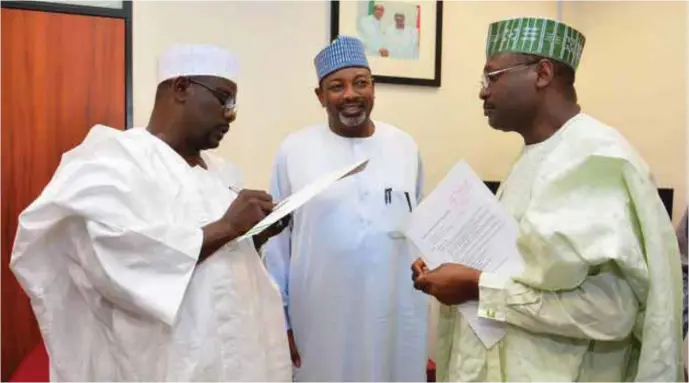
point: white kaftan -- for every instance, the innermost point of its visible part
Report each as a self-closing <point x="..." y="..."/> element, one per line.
<point x="402" y="43"/>
<point x="600" y="298"/>
<point x="343" y="267"/>
<point x="108" y="253"/>
<point x="372" y="34"/>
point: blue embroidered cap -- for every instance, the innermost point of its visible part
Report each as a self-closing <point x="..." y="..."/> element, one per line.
<point x="343" y="52"/>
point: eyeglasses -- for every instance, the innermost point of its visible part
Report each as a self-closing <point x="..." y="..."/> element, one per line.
<point x="228" y="101"/>
<point x="491" y="76"/>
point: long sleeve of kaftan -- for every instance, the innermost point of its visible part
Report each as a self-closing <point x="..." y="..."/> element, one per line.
<point x="603" y="307"/>
<point x="116" y="231"/>
<point x="583" y="255"/>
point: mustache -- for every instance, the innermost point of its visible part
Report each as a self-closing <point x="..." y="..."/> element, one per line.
<point x="350" y="104"/>
<point x="488" y="105"/>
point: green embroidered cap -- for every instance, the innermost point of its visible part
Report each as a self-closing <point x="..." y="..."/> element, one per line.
<point x="538" y="36"/>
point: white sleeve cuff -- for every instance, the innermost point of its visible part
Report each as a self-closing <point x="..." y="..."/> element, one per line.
<point x="491" y="303"/>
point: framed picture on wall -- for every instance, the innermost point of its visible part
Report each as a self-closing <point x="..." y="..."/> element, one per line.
<point x="403" y="38"/>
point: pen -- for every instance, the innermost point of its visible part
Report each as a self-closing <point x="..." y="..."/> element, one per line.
<point x="406" y="194"/>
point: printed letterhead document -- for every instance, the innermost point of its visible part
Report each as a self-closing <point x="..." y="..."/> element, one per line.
<point x="302" y="196"/>
<point x="462" y="222"/>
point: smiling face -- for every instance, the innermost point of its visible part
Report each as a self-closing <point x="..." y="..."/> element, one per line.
<point x="348" y="96"/>
<point x="205" y="115"/>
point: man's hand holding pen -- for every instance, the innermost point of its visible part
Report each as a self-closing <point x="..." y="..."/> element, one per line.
<point x="274" y="229"/>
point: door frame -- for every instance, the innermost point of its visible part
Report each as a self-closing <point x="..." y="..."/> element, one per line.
<point x="124" y="13"/>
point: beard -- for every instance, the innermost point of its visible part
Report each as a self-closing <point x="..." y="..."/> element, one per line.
<point x="352" y="114"/>
<point x="352" y="121"/>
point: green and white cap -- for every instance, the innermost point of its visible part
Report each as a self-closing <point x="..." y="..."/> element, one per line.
<point x="538" y="36"/>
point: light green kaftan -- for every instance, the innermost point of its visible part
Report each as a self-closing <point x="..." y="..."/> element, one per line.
<point x="600" y="297"/>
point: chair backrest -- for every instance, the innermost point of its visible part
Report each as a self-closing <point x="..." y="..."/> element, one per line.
<point x="34" y="368"/>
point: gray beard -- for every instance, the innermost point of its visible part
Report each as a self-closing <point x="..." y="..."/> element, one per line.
<point x="352" y="122"/>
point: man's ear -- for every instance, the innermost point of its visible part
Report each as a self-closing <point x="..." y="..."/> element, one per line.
<point x="320" y="95"/>
<point x="181" y="89"/>
<point x="546" y="73"/>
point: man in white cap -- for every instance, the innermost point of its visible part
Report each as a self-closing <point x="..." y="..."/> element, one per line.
<point x="129" y="255"/>
<point x="600" y="296"/>
<point x="343" y="264"/>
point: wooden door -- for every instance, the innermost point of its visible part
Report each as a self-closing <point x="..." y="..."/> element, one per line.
<point x="61" y="74"/>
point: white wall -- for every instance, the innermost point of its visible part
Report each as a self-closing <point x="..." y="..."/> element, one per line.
<point x="277" y="42"/>
<point x="633" y="75"/>
<point x="634" y="81"/>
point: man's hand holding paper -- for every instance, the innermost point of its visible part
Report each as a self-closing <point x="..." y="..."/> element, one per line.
<point x="462" y="222"/>
<point x="462" y="231"/>
<point x="247" y="210"/>
<point x="250" y="207"/>
<point x="261" y="238"/>
<point x="450" y="283"/>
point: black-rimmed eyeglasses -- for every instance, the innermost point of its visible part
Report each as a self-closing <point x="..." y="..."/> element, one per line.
<point x="228" y="101"/>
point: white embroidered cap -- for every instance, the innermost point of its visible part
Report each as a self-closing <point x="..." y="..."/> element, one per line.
<point x="197" y="60"/>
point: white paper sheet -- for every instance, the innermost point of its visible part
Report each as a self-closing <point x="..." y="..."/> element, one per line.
<point x="461" y="221"/>
<point x="302" y="196"/>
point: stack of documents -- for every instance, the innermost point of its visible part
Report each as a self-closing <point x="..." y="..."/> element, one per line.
<point x="462" y="222"/>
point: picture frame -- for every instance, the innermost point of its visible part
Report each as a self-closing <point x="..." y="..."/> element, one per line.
<point x="403" y="38"/>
